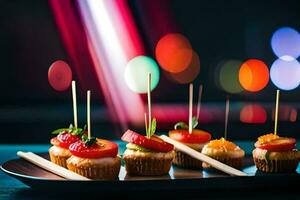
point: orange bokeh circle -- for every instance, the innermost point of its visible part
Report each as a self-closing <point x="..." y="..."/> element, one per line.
<point x="190" y="73"/>
<point x="174" y="52"/>
<point x="254" y="75"/>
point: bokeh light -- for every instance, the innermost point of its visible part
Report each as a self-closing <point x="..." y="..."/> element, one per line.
<point x="253" y="114"/>
<point x="190" y="73"/>
<point x="253" y="75"/>
<point x="227" y="75"/>
<point x="174" y="52"/>
<point x="285" y="74"/>
<point x="285" y="43"/>
<point x="286" y="113"/>
<point x="60" y="75"/>
<point x="136" y="73"/>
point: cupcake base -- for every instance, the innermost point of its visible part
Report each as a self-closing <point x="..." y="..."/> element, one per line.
<point x="276" y="166"/>
<point x="103" y="171"/>
<point x="233" y="162"/>
<point x="147" y="163"/>
<point x="147" y="166"/>
<point x="59" y="160"/>
<point x="185" y="161"/>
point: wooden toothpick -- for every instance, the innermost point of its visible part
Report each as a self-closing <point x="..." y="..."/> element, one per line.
<point x="226" y="117"/>
<point x="199" y="101"/>
<point x="190" y="108"/>
<point x="146" y="123"/>
<point x="149" y="99"/>
<point x="276" y="112"/>
<point x="89" y="113"/>
<point x="74" y="103"/>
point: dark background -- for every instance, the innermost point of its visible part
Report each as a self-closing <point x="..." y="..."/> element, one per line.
<point x="217" y="30"/>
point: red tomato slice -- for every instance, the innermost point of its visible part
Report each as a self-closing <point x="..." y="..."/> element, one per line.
<point x="279" y="144"/>
<point x="183" y="135"/>
<point x="101" y="149"/>
<point x="64" y="140"/>
<point x="155" y="143"/>
<point x="60" y="75"/>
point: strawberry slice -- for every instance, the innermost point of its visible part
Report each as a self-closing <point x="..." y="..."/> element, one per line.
<point x="154" y="143"/>
<point x="64" y="140"/>
<point x="183" y="135"/>
<point x="278" y="144"/>
<point x="101" y="149"/>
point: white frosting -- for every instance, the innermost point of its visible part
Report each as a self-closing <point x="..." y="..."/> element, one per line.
<point x="58" y="151"/>
<point x="92" y="161"/>
<point x="159" y="155"/>
<point x="237" y="153"/>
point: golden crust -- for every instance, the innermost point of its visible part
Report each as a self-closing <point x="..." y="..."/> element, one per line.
<point x="183" y="160"/>
<point x="272" y="155"/>
<point x="59" y="156"/>
<point x="147" y="163"/>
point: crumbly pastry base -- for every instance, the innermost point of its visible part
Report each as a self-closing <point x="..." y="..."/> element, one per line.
<point x="59" y="156"/>
<point x="150" y="164"/>
<point x="233" y="162"/>
<point x="185" y="161"/>
<point x="277" y="162"/>
<point x="96" y="170"/>
<point x="276" y="166"/>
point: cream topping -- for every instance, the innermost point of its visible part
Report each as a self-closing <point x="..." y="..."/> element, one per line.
<point x="58" y="151"/>
<point x="93" y="161"/>
<point x="159" y="155"/>
<point x="209" y="151"/>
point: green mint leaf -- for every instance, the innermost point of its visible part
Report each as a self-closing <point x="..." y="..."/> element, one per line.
<point x="84" y="138"/>
<point x="181" y="125"/>
<point x="88" y="142"/>
<point x="77" y="131"/>
<point x="194" y="122"/>
<point x="58" y="131"/>
<point x="153" y="127"/>
<point x="71" y="126"/>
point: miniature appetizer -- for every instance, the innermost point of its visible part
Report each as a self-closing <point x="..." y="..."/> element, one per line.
<point x="195" y="140"/>
<point x="59" y="152"/>
<point x="276" y="154"/>
<point x="147" y="156"/>
<point x="224" y="151"/>
<point x="95" y="158"/>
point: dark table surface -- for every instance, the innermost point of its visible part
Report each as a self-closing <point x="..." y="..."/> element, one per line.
<point x="11" y="188"/>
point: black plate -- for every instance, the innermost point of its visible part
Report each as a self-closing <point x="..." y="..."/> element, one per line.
<point x="178" y="179"/>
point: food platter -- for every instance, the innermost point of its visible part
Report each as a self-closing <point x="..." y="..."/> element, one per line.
<point x="177" y="179"/>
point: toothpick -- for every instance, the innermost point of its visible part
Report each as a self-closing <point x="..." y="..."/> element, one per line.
<point x="146" y="123"/>
<point x="74" y="103"/>
<point x="149" y="99"/>
<point x="190" y="108"/>
<point x="276" y="112"/>
<point x="226" y="117"/>
<point x="89" y="113"/>
<point x="199" y="101"/>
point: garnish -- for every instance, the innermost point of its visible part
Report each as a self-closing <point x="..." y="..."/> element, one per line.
<point x="154" y="143"/>
<point x="106" y="149"/>
<point x="88" y="141"/>
<point x="267" y="138"/>
<point x="222" y="144"/>
<point x="151" y="129"/>
<point x="72" y="130"/>
<point x="183" y="125"/>
<point x="183" y="135"/>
